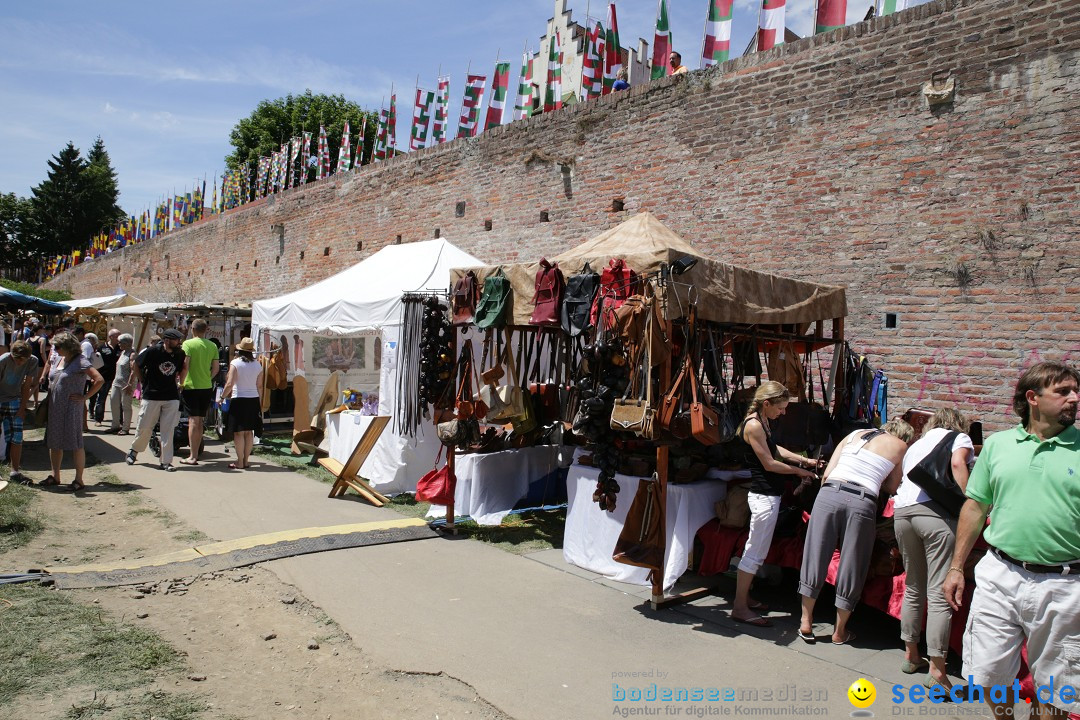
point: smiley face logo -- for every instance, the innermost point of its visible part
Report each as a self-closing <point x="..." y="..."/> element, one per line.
<point x="862" y="693"/>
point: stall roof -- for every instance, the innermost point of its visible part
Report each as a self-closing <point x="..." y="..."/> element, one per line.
<point x="726" y="293"/>
<point x="367" y="296"/>
<point x="102" y="303"/>
<point x="153" y="308"/>
<point x="12" y="299"/>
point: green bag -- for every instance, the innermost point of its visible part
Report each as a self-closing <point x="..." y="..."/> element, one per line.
<point x="491" y="308"/>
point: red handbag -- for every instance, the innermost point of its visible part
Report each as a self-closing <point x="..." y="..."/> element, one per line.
<point x="437" y="486"/>
<point x="548" y="294"/>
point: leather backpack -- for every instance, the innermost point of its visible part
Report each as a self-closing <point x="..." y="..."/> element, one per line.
<point x="617" y="283"/>
<point x="578" y="298"/>
<point x="491" y="308"/>
<point x="548" y="295"/>
<point x="464" y="298"/>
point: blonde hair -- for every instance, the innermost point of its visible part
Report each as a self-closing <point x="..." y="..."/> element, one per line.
<point x="66" y="344"/>
<point x="899" y="429"/>
<point x="770" y="391"/>
<point x="949" y="419"/>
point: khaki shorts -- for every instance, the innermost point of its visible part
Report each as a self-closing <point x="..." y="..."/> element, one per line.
<point x="1010" y="605"/>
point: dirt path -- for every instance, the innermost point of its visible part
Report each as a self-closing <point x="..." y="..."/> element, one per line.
<point x="251" y="646"/>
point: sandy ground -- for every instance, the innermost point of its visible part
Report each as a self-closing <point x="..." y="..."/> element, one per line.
<point x="255" y="647"/>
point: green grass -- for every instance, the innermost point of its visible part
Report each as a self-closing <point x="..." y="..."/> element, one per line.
<point x="18" y="523"/>
<point x="47" y="641"/>
<point x="277" y="449"/>
<point x="191" y="536"/>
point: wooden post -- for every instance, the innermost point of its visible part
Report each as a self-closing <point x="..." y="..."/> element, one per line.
<point x="663" y="454"/>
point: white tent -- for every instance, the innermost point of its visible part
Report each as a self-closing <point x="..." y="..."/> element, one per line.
<point x="102" y="303"/>
<point x="365" y="299"/>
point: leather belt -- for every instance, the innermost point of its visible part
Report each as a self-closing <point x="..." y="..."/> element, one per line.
<point x="1064" y="569"/>
<point x="853" y="489"/>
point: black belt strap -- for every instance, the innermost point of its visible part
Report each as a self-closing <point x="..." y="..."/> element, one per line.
<point x="1064" y="569"/>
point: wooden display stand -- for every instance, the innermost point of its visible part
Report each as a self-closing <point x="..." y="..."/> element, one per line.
<point x="348" y="474"/>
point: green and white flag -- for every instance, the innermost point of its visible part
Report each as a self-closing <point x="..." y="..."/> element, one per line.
<point x="888" y="7"/>
<point x="553" y="95"/>
<point x="661" y="54"/>
<point x="524" y="107"/>
<point x="499" y="85"/>
<point x="421" y="117"/>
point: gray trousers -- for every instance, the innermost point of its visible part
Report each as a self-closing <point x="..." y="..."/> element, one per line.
<point x="845" y="520"/>
<point x="165" y="413"/>
<point x="926" y="540"/>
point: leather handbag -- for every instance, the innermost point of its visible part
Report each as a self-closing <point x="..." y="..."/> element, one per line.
<point x="641" y="542"/>
<point x="548" y="294"/>
<point x="704" y="421"/>
<point x="578" y="300"/>
<point x="458" y="432"/>
<point x="545" y="388"/>
<point x="493" y="302"/>
<point x="437" y="486"/>
<point x="617" y="283"/>
<point x="41" y="413"/>
<point x="734" y="510"/>
<point x="464" y="298"/>
<point x="934" y="475"/>
<point x="672" y="400"/>
<point x="510" y="402"/>
<point x="634" y="412"/>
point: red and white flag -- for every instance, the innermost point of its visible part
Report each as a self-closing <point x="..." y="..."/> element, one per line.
<point x="442" y="103"/>
<point x="323" y="168"/>
<point x="344" y="156"/>
<point x="831" y="14"/>
<point x="613" y="51"/>
<point x="717" y="48"/>
<point x="305" y="153"/>
<point x="524" y="107"/>
<point x="500" y="84"/>
<point x="421" y="118"/>
<point x="771" y="24"/>
<point x="553" y="95"/>
<point x="661" y="54"/>
<point x="592" y="80"/>
<point x="470" y="105"/>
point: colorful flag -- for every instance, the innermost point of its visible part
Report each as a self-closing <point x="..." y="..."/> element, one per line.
<point x="717" y="33"/>
<point x="613" y="50"/>
<point x="592" y="74"/>
<point x="771" y="24"/>
<point x="888" y="7"/>
<point x="305" y="157"/>
<point x="500" y="83"/>
<point x="322" y="169"/>
<point x="344" y="156"/>
<point x="391" y="128"/>
<point x="524" y="107"/>
<point x="470" y="105"/>
<point x="831" y="14"/>
<point x="421" y="119"/>
<point x="213" y="203"/>
<point x="442" y="101"/>
<point x="380" y="136"/>
<point x="360" y="144"/>
<point x="661" y="53"/>
<point x="553" y="91"/>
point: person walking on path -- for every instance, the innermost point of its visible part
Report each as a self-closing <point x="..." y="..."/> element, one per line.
<point x="202" y="366"/>
<point x="768" y="464"/>
<point x="926" y="534"/>
<point x="123" y="387"/>
<point x="18" y="383"/>
<point x="160" y="368"/>
<point x="71" y="381"/>
<point x="1027" y="587"/>
<point x="864" y="465"/>
<point x="244" y="388"/>
<point x="109" y="351"/>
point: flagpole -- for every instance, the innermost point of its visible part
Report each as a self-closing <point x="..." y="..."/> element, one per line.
<point x="585" y="55"/>
<point x="704" y="34"/>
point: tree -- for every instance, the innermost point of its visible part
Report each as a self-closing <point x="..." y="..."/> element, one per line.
<point x="18" y="255"/>
<point x="102" y="190"/>
<point x="275" y="122"/>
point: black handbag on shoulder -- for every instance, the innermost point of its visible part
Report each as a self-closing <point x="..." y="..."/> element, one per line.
<point x="934" y="475"/>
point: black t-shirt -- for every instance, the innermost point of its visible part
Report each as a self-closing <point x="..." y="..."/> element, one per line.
<point x="109" y="355"/>
<point x="160" y="369"/>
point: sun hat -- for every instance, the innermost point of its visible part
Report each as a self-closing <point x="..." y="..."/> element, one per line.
<point x="247" y="345"/>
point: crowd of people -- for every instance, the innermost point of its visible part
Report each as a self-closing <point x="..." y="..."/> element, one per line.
<point x="1027" y="586"/>
<point x="83" y="375"/>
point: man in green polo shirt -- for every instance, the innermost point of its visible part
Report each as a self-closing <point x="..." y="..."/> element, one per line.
<point x="202" y="366"/>
<point x="1027" y="588"/>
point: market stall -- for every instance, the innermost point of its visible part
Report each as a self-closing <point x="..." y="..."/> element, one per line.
<point x="88" y="313"/>
<point x="344" y="331"/>
<point x="638" y="347"/>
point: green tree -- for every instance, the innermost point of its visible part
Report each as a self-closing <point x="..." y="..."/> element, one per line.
<point x="19" y="256"/>
<point x="275" y="122"/>
<point x="103" y="192"/>
<point x="61" y="222"/>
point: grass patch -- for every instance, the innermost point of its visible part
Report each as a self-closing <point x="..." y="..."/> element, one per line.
<point x="49" y="641"/>
<point x="519" y="533"/>
<point x="277" y="449"/>
<point x="93" y="552"/>
<point x="166" y="518"/>
<point x="191" y="536"/>
<point x="18" y="523"/>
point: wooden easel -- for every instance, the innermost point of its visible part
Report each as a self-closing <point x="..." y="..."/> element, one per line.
<point x="348" y="475"/>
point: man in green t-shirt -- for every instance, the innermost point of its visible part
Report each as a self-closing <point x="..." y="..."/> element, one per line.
<point x="201" y="366"/>
<point x="1027" y="587"/>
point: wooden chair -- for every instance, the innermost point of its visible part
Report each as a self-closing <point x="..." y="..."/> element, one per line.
<point x="348" y="474"/>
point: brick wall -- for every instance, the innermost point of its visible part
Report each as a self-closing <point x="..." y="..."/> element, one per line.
<point x="819" y="159"/>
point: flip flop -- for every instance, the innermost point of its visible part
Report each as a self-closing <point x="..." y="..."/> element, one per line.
<point x="847" y="641"/>
<point x="909" y="668"/>
<point x="758" y="606"/>
<point x="187" y="461"/>
<point x="234" y="466"/>
<point x="808" y="638"/>
<point x="76" y="486"/>
<point x="49" y="481"/>
<point x="756" y="621"/>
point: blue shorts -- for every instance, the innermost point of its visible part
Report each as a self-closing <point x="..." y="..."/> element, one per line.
<point x="11" y="422"/>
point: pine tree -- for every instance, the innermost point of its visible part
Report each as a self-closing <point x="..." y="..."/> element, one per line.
<point x="59" y="204"/>
<point x="102" y="208"/>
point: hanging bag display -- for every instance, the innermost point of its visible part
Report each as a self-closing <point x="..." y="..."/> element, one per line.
<point x="509" y="397"/>
<point x="493" y="302"/>
<point x="578" y="298"/>
<point x="464" y="298"/>
<point x="641" y="542"/>
<point x="934" y="475"/>
<point x="437" y="486"/>
<point x="548" y="295"/>
<point x="704" y="421"/>
<point x="617" y="283"/>
<point x="525" y="421"/>
<point x="634" y="412"/>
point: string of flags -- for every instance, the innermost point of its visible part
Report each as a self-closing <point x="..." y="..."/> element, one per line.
<point x="601" y="61"/>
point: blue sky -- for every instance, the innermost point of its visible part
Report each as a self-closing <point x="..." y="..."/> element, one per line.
<point x="164" y="84"/>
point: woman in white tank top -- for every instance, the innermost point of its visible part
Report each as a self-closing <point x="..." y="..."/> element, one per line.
<point x="866" y="464"/>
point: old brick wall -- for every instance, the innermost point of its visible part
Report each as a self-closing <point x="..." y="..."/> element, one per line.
<point x="819" y="160"/>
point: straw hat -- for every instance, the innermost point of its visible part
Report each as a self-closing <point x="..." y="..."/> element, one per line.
<point x="247" y="345"/>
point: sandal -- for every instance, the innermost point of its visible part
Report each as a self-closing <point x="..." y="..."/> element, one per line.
<point x="189" y="461"/>
<point x="234" y="466"/>
<point x="846" y="641"/>
<point x="76" y="486"/>
<point x="49" y="481"/>
<point x="756" y="621"/>
<point x="808" y="638"/>
<point x="758" y="606"/>
<point x="909" y="668"/>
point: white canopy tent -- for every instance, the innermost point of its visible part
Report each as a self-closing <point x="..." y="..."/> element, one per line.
<point x="102" y="303"/>
<point x="363" y="300"/>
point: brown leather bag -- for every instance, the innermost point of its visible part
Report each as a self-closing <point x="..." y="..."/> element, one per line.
<point x="641" y="542"/>
<point x="463" y="300"/>
<point x="704" y="421"/>
<point x="672" y="400"/>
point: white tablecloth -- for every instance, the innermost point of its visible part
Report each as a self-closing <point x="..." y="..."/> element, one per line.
<point x="591" y="533"/>
<point x="490" y="484"/>
<point x="343" y="432"/>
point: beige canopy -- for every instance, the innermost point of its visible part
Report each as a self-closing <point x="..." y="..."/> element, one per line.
<point x="725" y="293"/>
